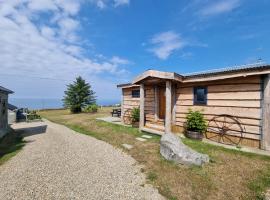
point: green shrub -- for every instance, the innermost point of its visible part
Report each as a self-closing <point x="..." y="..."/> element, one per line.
<point x="91" y="108"/>
<point x="196" y="121"/>
<point x="32" y="115"/>
<point x="135" y="114"/>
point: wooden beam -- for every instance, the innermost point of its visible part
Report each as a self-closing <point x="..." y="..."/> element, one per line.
<point x="157" y="74"/>
<point x="156" y="103"/>
<point x="122" y="106"/>
<point x="168" y="115"/>
<point x="174" y="100"/>
<point x="266" y="113"/>
<point x="224" y="76"/>
<point x="141" y="106"/>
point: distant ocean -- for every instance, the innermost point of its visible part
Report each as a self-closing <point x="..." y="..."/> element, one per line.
<point x="32" y="103"/>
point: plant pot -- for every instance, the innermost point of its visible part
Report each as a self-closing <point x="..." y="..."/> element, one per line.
<point x="194" y="135"/>
<point x="135" y="124"/>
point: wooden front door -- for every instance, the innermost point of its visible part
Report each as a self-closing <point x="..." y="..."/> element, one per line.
<point x="162" y="103"/>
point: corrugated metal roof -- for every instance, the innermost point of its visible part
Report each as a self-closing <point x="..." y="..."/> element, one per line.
<point x="231" y="69"/>
<point x="2" y="89"/>
<point x="247" y="67"/>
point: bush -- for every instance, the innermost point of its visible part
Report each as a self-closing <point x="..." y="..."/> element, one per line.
<point x="135" y="114"/>
<point x="32" y="115"/>
<point x="196" y="121"/>
<point x="91" y="108"/>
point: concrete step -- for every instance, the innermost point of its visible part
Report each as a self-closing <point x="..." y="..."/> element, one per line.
<point x="155" y="126"/>
<point x="153" y="131"/>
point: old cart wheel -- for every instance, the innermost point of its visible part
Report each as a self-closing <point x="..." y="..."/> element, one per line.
<point x="224" y="129"/>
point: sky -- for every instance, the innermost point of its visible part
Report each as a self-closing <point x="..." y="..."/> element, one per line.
<point x="46" y="44"/>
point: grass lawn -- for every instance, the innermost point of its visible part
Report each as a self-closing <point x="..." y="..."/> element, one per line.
<point x="230" y="174"/>
<point x="10" y="145"/>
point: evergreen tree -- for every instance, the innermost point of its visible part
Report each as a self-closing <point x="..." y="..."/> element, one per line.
<point x="78" y="95"/>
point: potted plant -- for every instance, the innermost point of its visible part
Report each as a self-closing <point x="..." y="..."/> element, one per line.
<point x="196" y="125"/>
<point x="135" y="117"/>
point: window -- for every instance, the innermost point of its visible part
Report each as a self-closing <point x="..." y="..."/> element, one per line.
<point x="200" y="96"/>
<point x="135" y="93"/>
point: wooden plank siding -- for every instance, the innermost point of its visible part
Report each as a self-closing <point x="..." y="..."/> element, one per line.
<point x="129" y="103"/>
<point x="239" y="97"/>
<point x="149" y="104"/>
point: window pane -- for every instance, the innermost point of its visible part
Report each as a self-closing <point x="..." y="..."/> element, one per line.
<point x="135" y="93"/>
<point x="201" y="94"/>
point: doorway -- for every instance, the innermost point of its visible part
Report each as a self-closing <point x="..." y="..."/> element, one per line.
<point x="162" y="103"/>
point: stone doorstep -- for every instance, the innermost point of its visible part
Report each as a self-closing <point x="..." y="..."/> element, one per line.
<point x="141" y="139"/>
<point x="146" y="136"/>
<point x="127" y="146"/>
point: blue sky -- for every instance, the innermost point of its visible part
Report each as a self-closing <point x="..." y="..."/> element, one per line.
<point x="45" y="44"/>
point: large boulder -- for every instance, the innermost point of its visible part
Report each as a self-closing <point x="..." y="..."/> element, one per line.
<point x="172" y="148"/>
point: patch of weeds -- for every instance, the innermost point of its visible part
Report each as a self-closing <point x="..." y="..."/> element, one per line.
<point x="165" y="191"/>
<point x="152" y="176"/>
<point x="260" y="184"/>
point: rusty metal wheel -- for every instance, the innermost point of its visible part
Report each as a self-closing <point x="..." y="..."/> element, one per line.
<point x="224" y="129"/>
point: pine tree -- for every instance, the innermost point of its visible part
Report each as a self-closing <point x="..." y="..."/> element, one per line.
<point x="78" y="95"/>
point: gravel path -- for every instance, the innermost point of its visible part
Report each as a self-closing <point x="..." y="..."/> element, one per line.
<point x="57" y="163"/>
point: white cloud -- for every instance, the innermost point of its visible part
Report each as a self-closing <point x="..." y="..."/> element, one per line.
<point x="166" y="43"/>
<point x="121" y="2"/>
<point x="219" y="7"/>
<point x="51" y="47"/>
<point x="102" y="4"/>
<point x="118" y="60"/>
<point x="42" y="5"/>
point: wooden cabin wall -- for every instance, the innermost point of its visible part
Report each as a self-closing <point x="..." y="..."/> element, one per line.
<point x="240" y="97"/>
<point x="129" y="103"/>
<point x="149" y="103"/>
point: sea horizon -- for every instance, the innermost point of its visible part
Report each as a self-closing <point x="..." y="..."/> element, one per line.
<point x="50" y="103"/>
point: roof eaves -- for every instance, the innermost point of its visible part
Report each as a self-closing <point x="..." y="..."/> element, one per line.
<point x="5" y="90"/>
<point x="241" y="68"/>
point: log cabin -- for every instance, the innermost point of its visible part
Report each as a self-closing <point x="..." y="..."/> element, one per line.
<point x="235" y="102"/>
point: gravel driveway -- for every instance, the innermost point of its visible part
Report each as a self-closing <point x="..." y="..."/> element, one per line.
<point x="58" y="163"/>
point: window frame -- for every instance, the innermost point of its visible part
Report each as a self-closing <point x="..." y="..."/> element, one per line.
<point x="135" y="95"/>
<point x="195" y="100"/>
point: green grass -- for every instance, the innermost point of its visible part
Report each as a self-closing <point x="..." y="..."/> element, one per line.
<point x="10" y="145"/>
<point x="260" y="184"/>
<point x="152" y="176"/>
<point x="231" y="174"/>
<point x="205" y="148"/>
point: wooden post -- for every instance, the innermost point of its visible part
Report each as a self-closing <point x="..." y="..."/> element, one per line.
<point x="156" y="103"/>
<point x="141" y="106"/>
<point x="266" y="113"/>
<point x="168" y="115"/>
<point x="174" y="104"/>
<point x="122" y="106"/>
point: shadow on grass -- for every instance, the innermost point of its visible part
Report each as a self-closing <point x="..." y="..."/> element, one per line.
<point x="10" y="145"/>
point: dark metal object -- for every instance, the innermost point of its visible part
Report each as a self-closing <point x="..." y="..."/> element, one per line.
<point x="225" y="129"/>
<point x="116" y="112"/>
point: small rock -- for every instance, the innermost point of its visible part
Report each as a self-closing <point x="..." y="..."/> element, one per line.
<point x="172" y="148"/>
<point x="147" y="136"/>
<point x="127" y="146"/>
<point x="141" y="139"/>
